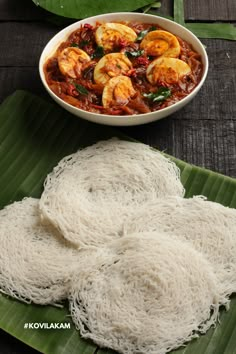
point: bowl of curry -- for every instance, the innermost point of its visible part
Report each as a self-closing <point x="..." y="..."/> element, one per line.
<point x="123" y="68"/>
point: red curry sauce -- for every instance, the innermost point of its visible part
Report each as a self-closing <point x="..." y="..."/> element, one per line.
<point x="83" y="92"/>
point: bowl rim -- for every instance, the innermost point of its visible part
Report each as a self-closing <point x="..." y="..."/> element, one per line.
<point x="150" y="18"/>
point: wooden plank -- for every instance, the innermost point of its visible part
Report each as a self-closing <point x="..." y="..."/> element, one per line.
<point x="198" y="134"/>
<point x="166" y="8"/>
<point x="203" y="132"/>
<point x="216" y="99"/>
<point x="205" y="143"/>
<point x="210" y="10"/>
<point x="23" y="10"/>
<point x="209" y="144"/>
<point x="219" y="87"/>
<point x="22" y="43"/>
<point x="17" y="78"/>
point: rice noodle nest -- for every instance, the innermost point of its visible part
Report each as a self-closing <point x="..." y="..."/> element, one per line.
<point x="145" y="294"/>
<point x="89" y="194"/>
<point x="207" y="226"/>
<point x="36" y="263"/>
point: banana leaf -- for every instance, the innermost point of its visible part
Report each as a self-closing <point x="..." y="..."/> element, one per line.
<point x="83" y="8"/>
<point x="204" y="30"/>
<point x="34" y="136"/>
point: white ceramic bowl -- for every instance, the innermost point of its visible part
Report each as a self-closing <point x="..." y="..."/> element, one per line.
<point x="125" y="16"/>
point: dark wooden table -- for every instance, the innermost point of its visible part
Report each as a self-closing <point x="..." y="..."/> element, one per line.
<point x="203" y="133"/>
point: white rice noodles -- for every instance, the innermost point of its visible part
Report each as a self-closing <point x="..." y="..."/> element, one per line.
<point x="145" y="294"/>
<point x="90" y="194"/>
<point x="208" y="226"/>
<point x="36" y="264"/>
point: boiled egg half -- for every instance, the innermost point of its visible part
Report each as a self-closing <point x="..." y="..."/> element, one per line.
<point x="161" y="43"/>
<point x="111" y="65"/>
<point x="71" y="60"/>
<point x="109" y="34"/>
<point x="118" y="92"/>
<point x="168" y="70"/>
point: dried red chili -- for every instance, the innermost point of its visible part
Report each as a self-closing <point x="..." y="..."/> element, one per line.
<point x="85" y="39"/>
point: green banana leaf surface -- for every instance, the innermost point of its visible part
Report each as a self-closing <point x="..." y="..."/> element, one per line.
<point x="82" y="8"/>
<point x="34" y="136"/>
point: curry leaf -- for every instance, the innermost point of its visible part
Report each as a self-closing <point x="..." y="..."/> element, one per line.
<point x="79" y="9"/>
<point x="134" y="53"/>
<point x="161" y="95"/>
<point x="83" y="43"/>
<point x="81" y="89"/>
<point x="99" y="52"/>
<point x="74" y="45"/>
<point x="143" y="33"/>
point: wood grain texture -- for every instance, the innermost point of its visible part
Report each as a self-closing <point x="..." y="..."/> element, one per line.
<point x="23" y="10"/>
<point x="166" y="8"/>
<point x="216" y="99"/>
<point x="186" y="134"/>
<point x="20" y="78"/>
<point x="208" y="144"/>
<point x="22" y="42"/>
<point x="210" y="10"/>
